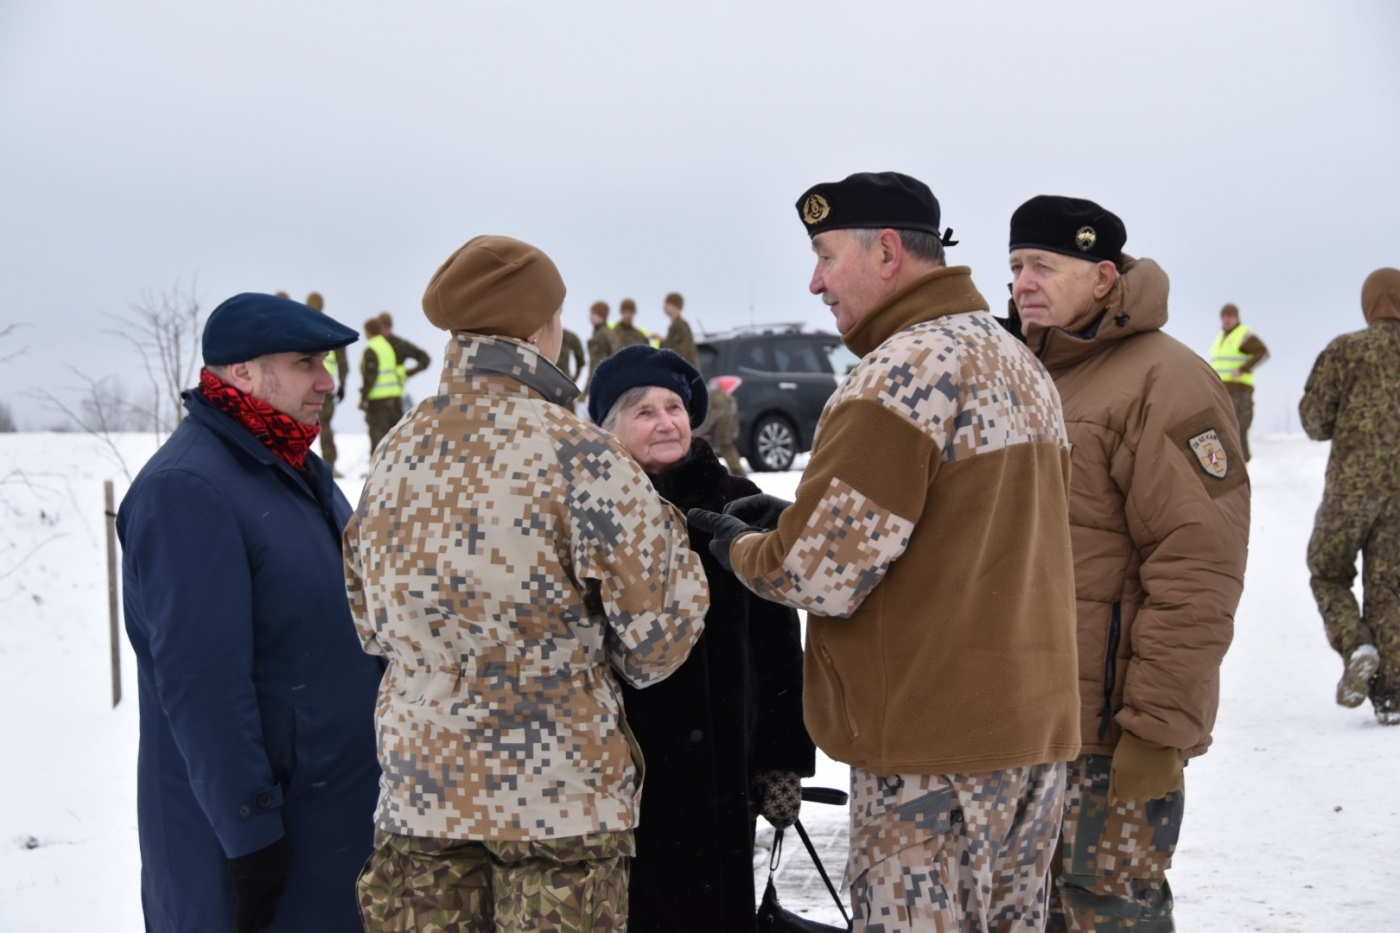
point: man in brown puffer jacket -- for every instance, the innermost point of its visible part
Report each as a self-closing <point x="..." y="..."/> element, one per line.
<point x="1159" y="518"/>
<point x="1350" y="400"/>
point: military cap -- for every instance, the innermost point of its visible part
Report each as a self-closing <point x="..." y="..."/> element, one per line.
<point x="627" y="306"/>
<point x="494" y="285"/>
<point x="251" y="325"/>
<point x="641" y="365"/>
<point x="1072" y="226"/>
<point x="873" y="200"/>
<point x="599" y="308"/>
<point x="674" y="298"/>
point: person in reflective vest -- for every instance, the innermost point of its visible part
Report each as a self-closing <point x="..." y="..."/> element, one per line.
<point x="405" y="352"/>
<point x="1234" y="355"/>
<point x="381" y="388"/>
<point x="338" y="365"/>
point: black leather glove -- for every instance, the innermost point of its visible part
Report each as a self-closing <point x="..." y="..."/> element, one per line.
<point x="760" y="511"/>
<point x="340" y="393"/>
<point x="779" y="796"/>
<point x="724" y="528"/>
<point x="258" y="879"/>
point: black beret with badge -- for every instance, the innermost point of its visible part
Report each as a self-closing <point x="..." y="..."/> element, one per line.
<point x="1071" y="226"/>
<point x="871" y="200"/>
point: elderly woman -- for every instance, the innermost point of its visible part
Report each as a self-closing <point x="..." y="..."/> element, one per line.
<point x="722" y="737"/>
<point x="512" y="564"/>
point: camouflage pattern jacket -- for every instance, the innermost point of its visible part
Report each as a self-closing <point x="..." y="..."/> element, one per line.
<point x="1352" y="398"/>
<point x="929" y="543"/>
<point x="509" y="560"/>
<point x="1159" y="514"/>
<point x="680" y="339"/>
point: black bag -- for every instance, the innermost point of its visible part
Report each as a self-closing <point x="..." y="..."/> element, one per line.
<point x="772" y="917"/>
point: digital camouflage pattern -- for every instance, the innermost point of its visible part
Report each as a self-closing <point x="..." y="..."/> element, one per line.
<point x="961" y="852"/>
<point x="570" y="885"/>
<point x="1110" y="870"/>
<point x="1350" y="399"/>
<point x="722" y="427"/>
<point x="510" y="561"/>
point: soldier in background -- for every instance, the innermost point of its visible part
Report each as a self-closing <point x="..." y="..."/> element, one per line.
<point x="602" y="343"/>
<point x="571" y="359"/>
<point x="338" y="365"/>
<point x="1350" y="399"/>
<point x="721" y="426"/>
<point x="678" y="336"/>
<point x="510" y="795"/>
<point x="625" y="333"/>
<point x="1236" y="353"/>
<point x="404" y="351"/>
<point x="381" y="386"/>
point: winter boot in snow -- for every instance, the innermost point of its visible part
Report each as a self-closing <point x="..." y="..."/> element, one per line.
<point x="1351" y="689"/>
<point x="1385" y="700"/>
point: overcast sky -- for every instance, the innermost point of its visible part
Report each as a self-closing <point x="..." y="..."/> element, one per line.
<point x="349" y="147"/>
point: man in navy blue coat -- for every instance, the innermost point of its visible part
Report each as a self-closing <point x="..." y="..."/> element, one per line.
<point x="257" y="775"/>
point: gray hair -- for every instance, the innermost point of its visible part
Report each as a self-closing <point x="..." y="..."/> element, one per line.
<point x="629" y="399"/>
<point x="917" y="243"/>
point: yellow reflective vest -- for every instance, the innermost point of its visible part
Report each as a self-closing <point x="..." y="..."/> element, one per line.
<point x="387" y="383"/>
<point x="331" y="366"/>
<point x="1227" y="355"/>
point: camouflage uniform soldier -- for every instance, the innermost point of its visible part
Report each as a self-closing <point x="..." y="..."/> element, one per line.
<point x="625" y="333"/>
<point x="1159" y="515"/>
<point x="510" y="562"/>
<point x="338" y="365"/>
<point x="722" y="428"/>
<point x="678" y="336"/>
<point x="912" y="518"/>
<point x="1350" y="399"/>
<point x="601" y="343"/>
<point x="404" y="351"/>
<point x="1236" y="353"/>
<point x="571" y="360"/>
<point x="381" y="387"/>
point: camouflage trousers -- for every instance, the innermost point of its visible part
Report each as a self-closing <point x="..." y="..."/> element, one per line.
<point x="381" y="414"/>
<point x="1243" y="397"/>
<point x="721" y="426"/>
<point x="1346" y="525"/>
<point x="953" y="852"/>
<point x="1110" y="870"/>
<point x="328" y="451"/>
<point x="576" y="884"/>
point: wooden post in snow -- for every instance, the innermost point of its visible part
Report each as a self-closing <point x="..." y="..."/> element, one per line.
<point x="114" y="627"/>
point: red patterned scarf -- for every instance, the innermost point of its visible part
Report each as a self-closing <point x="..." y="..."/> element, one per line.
<point x="282" y="434"/>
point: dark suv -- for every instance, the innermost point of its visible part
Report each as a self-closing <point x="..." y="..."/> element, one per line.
<point x="781" y="375"/>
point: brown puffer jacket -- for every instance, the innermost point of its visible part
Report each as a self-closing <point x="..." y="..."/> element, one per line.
<point x="1159" y="516"/>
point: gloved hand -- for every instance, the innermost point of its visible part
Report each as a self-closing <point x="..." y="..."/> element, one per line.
<point x="1143" y="770"/>
<point x="779" y="796"/>
<point x="724" y="528"/>
<point x="760" y="511"/>
<point x="340" y="393"/>
<point x="364" y="404"/>
<point x="258" y="879"/>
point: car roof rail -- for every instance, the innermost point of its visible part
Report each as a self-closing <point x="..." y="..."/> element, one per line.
<point x="746" y="330"/>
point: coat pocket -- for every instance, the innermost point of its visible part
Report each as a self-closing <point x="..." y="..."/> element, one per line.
<point x="837" y="690"/>
<point x="878" y="836"/>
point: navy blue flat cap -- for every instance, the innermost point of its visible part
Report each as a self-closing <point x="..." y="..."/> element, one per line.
<point x="250" y="325"/>
<point x="641" y="365"/>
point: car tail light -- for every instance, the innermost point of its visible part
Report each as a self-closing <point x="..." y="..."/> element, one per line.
<point x="726" y="384"/>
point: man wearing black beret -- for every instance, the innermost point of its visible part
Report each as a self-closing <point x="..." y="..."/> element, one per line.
<point x="257" y="775"/>
<point x="1160" y="523"/>
<point x="929" y="544"/>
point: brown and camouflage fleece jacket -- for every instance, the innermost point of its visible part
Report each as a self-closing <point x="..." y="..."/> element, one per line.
<point x="929" y="543"/>
<point x="511" y="562"/>
<point x="1352" y="397"/>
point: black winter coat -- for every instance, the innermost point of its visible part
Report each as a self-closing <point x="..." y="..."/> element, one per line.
<point x="732" y="710"/>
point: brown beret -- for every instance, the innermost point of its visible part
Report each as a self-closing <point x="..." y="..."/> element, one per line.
<point x="314" y="300"/>
<point x="599" y="308"/>
<point x="627" y="304"/>
<point x="674" y="299"/>
<point x="386" y="319"/>
<point x="494" y="285"/>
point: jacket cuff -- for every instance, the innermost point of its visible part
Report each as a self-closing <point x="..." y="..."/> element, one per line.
<point x="252" y="823"/>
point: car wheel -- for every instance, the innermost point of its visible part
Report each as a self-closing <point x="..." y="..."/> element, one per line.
<point x="774" y="444"/>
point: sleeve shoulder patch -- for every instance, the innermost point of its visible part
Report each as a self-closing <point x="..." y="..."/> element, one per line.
<point x="1211" y="452"/>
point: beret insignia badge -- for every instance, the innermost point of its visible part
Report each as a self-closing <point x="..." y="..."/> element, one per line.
<point x="1085" y="239"/>
<point x="815" y="210"/>
<point x="1210" y="453"/>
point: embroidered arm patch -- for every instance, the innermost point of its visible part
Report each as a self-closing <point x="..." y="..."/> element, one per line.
<point x="1213" y="456"/>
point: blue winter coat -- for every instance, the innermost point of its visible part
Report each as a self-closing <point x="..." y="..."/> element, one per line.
<point x="257" y="704"/>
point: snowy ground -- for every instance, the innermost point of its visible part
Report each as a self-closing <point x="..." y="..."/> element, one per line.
<point x="1292" y="821"/>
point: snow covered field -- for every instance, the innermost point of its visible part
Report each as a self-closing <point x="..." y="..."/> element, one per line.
<point x="1292" y="820"/>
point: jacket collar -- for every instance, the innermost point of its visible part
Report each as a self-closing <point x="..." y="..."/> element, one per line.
<point x="940" y="293"/>
<point x="317" y="481"/>
<point x="471" y="356"/>
<point x="691" y="483"/>
<point x="1136" y="304"/>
